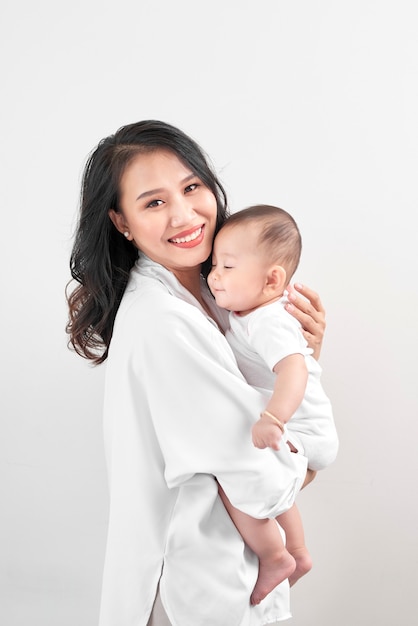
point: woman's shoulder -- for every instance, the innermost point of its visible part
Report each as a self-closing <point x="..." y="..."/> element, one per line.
<point x="152" y="305"/>
<point x="152" y="300"/>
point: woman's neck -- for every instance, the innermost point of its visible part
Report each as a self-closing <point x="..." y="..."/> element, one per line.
<point x="190" y="279"/>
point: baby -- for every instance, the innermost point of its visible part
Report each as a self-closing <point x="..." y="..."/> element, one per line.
<point x="255" y="255"/>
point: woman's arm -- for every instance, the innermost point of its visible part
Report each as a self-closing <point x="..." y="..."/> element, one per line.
<point x="203" y="410"/>
<point x="308" y="310"/>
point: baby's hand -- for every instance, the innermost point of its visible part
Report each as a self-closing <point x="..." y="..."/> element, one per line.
<point x="266" y="435"/>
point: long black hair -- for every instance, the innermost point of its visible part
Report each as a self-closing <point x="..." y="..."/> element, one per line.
<point x="102" y="257"/>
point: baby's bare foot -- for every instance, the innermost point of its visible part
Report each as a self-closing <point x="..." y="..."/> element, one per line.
<point x="303" y="564"/>
<point x="270" y="574"/>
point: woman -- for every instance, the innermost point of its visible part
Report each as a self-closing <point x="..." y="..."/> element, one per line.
<point x="177" y="411"/>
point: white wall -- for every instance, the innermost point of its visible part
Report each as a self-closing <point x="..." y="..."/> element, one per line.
<point x="310" y="105"/>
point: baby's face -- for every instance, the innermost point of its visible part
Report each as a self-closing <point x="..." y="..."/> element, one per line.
<point x="239" y="269"/>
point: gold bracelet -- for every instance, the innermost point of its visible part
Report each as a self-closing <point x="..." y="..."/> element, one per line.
<point x="275" y="420"/>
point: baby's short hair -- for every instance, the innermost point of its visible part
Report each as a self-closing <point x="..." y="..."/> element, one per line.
<point x="279" y="234"/>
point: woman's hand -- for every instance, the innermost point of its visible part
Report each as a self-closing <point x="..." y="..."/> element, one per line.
<point x="308" y="310"/>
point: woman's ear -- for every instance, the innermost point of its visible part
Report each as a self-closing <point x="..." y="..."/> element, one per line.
<point x="120" y="223"/>
<point x="276" y="279"/>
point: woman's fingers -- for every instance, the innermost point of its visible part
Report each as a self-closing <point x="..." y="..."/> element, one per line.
<point x="306" y="306"/>
<point x="312" y="297"/>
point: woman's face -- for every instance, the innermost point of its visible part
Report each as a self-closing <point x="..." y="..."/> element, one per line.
<point x="168" y="212"/>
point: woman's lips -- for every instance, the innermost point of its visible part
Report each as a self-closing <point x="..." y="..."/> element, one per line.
<point x="189" y="238"/>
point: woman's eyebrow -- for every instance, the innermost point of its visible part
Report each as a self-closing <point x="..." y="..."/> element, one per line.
<point x="151" y="192"/>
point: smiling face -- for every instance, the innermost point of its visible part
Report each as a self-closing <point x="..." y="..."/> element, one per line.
<point x="167" y="211"/>
<point x="242" y="276"/>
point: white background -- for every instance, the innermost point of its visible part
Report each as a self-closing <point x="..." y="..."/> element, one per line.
<point x="308" y="105"/>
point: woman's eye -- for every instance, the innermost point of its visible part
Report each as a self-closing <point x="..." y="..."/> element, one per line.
<point x="154" y="203"/>
<point x="191" y="187"/>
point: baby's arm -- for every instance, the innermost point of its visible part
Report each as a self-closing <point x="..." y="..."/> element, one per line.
<point x="289" y="389"/>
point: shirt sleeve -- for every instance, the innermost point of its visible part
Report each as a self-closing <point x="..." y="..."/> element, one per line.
<point x="202" y="411"/>
<point x="274" y="335"/>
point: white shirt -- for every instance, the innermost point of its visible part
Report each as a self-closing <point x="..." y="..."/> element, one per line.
<point x="177" y="412"/>
<point x="262" y="339"/>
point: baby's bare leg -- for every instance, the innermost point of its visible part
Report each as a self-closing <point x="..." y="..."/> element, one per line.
<point x="291" y="522"/>
<point x="264" y="538"/>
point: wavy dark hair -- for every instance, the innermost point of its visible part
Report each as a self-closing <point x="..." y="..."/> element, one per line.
<point x="101" y="257"/>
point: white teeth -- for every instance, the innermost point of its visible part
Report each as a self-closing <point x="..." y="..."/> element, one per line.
<point x="188" y="238"/>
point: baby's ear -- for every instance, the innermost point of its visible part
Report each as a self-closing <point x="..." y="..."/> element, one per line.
<point x="276" y="279"/>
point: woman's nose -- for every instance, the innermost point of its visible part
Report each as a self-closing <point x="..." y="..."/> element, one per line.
<point x="181" y="212"/>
